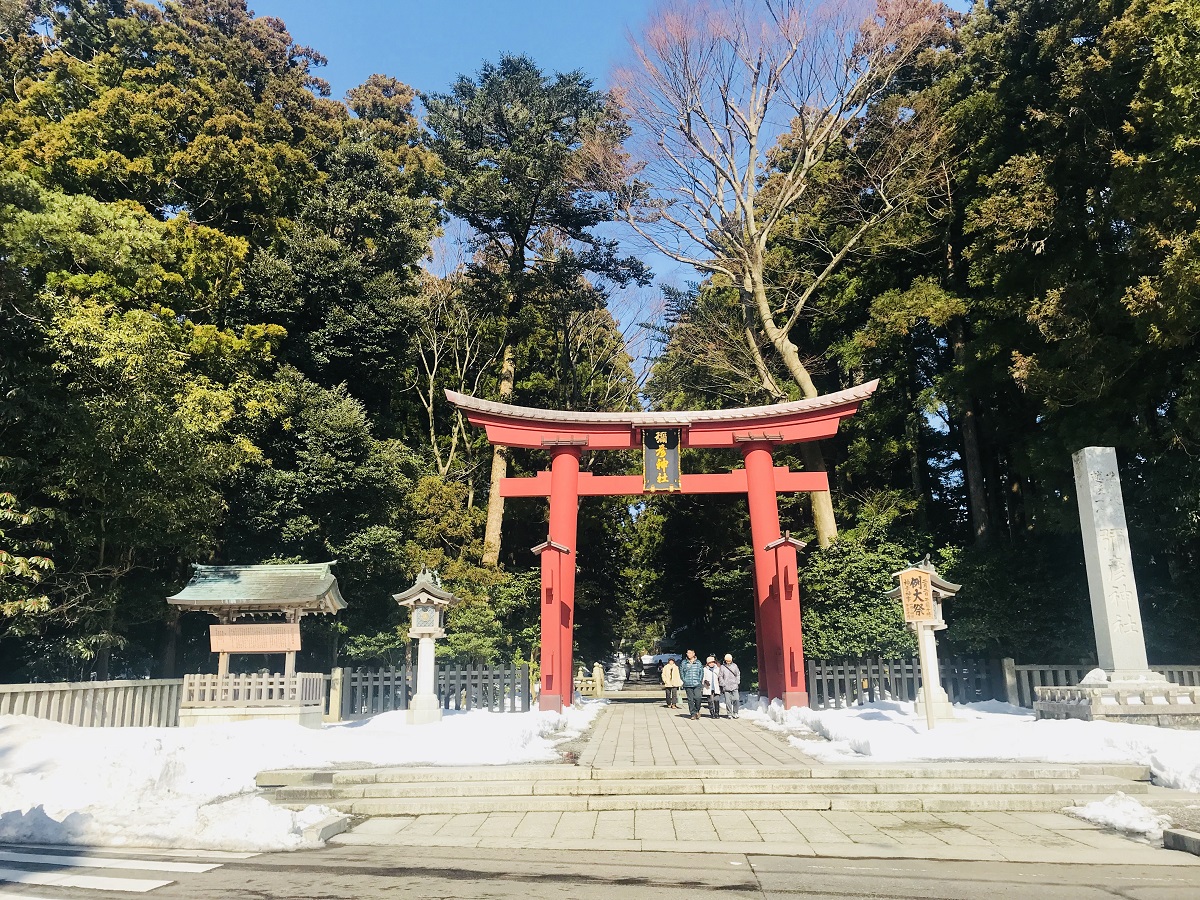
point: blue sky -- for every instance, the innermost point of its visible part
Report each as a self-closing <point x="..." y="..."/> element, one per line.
<point x="428" y="44"/>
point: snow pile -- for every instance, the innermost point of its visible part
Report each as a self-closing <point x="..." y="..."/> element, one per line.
<point x="194" y="787"/>
<point x="1123" y="813"/>
<point x="891" y="731"/>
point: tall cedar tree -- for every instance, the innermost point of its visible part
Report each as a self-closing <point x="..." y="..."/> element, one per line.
<point x="514" y="145"/>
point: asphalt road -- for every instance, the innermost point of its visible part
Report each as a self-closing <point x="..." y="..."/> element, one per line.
<point x="362" y="873"/>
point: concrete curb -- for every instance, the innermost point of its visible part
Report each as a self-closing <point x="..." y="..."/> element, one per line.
<point x="328" y="827"/>
<point x="1179" y="839"/>
<point x="1135" y="855"/>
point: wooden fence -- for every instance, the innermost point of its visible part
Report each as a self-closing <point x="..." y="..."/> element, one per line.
<point x="358" y="693"/>
<point x="852" y="682"/>
<point x="302" y="689"/>
<point x="108" y="704"/>
<point x="1021" y="680"/>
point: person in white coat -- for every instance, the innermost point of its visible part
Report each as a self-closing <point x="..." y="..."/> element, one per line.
<point x="710" y="687"/>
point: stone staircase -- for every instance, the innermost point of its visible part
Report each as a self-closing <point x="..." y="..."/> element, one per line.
<point x="932" y="788"/>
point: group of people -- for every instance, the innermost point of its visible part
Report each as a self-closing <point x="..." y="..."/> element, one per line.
<point x="708" y="683"/>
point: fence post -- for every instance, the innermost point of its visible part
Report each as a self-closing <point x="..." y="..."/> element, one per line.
<point x="335" y="694"/>
<point x="1008" y="672"/>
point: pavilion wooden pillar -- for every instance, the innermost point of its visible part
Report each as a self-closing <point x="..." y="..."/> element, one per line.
<point x="289" y="658"/>
<point x="558" y="581"/>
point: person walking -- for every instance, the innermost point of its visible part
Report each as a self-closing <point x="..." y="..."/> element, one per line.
<point x="672" y="682"/>
<point x="691" y="674"/>
<point x="731" y="682"/>
<point x="711" y="687"/>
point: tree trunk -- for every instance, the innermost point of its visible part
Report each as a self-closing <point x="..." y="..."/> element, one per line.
<point x="822" y="501"/>
<point x="814" y="461"/>
<point x="168" y="657"/>
<point x="972" y="458"/>
<point x="993" y="479"/>
<point x="916" y="459"/>
<point x="495" y="509"/>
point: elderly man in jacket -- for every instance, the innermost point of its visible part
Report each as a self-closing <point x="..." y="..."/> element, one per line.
<point x="691" y="673"/>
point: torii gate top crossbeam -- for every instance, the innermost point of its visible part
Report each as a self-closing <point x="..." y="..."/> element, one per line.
<point x="779" y="423"/>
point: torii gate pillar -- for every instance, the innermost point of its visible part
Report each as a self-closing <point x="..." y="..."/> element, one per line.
<point x="558" y="581"/>
<point x="776" y="595"/>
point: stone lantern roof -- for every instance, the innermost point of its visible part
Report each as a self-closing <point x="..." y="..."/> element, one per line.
<point x="427" y="590"/>
<point x="941" y="587"/>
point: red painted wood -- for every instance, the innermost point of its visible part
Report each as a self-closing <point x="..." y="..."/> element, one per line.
<point x="624" y="485"/>
<point x="764" y="528"/>
<point x="776" y="604"/>
<point x="810" y="425"/>
<point x="558" y="616"/>
<point x="787" y="592"/>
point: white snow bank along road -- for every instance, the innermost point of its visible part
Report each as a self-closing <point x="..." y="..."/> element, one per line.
<point x="194" y="787"/>
<point x="987" y="732"/>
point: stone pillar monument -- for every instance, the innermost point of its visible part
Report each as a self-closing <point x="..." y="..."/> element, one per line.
<point x="1123" y="688"/>
<point x="1116" y="615"/>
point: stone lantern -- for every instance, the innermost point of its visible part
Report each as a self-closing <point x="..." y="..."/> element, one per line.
<point x="922" y="591"/>
<point x="428" y="602"/>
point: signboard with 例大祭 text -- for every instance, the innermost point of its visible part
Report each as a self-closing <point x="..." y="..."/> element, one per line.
<point x="660" y="459"/>
<point x="916" y="594"/>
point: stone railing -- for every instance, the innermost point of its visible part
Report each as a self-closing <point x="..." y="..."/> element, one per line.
<point x="204" y="691"/>
<point x="102" y="704"/>
<point x="1022" y="682"/>
<point x="1174" y="705"/>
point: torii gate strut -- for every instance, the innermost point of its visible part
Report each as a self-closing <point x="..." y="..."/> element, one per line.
<point x="753" y="430"/>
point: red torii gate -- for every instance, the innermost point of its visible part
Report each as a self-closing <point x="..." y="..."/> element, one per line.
<point x="754" y="430"/>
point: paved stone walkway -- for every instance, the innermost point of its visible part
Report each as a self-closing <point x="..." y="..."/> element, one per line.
<point x="1014" y="837"/>
<point x="644" y="733"/>
<point x="634" y="734"/>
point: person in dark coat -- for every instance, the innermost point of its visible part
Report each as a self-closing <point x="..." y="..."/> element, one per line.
<point x="691" y="673"/>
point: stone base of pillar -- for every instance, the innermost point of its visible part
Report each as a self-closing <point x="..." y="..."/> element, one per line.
<point x="943" y="709"/>
<point x="423" y="709"/>
<point x="550" y="703"/>
<point x="795" y="698"/>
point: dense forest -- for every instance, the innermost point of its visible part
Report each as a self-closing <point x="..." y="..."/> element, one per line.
<point x="230" y="304"/>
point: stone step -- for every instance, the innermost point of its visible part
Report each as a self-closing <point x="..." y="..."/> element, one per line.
<point x="1096" y="786"/>
<point x="412" y="806"/>
<point x="923" y="771"/>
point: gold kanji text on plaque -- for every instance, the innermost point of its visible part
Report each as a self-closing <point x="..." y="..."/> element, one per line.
<point x="280" y="637"/>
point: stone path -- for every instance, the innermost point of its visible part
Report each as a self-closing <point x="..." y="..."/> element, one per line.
<point x="634" y="734"/>
<point x="644" y="733"/>
<point x="1012" y="837"/>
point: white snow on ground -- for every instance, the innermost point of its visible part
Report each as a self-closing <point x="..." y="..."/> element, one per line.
<point x="194" y="787"/>
<point x="890" y="731"/>
<point x="1124" y="813"/>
